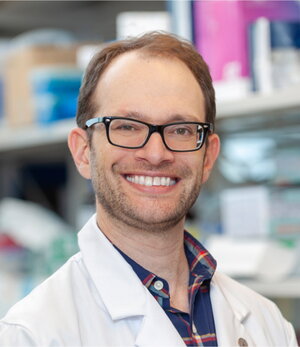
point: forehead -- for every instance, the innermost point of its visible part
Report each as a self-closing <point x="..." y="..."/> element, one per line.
<point x="140" y="83"/>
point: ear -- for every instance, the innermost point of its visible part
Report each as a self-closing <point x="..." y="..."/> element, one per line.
<point x="211" y="154"/>
<point x="80" y="150"/>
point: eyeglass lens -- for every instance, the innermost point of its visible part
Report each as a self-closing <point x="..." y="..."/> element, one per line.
<point x="180" y="136"/>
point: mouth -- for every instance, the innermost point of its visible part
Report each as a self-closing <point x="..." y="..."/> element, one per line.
<point x="150" y="181"/>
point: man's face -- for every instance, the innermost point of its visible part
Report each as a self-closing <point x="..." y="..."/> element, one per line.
<point x="149" y="188"/>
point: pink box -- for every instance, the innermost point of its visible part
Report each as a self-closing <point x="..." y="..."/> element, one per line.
<point x="221" y="30"/>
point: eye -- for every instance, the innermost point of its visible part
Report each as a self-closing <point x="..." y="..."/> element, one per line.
<point x="124" y="126"/>
<point x="182" y="131"/>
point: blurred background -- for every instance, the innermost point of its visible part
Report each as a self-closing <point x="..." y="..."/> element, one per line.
<point x="248" y="214"/>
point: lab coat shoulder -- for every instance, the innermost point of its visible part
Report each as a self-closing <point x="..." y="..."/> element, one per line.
<point x="65" y="310"/>
<point x="35" y="318"/>
<point x="241" y="312"/>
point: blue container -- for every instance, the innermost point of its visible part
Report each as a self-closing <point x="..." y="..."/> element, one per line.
<point x="1" y="100"/>
<point x="55" y="92"/>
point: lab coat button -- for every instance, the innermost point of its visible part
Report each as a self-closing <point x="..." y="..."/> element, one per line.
<point x="158" y="285"/>
<point x="242" y="342"/>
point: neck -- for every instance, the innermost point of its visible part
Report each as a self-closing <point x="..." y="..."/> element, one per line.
<point x="160" y="252"/>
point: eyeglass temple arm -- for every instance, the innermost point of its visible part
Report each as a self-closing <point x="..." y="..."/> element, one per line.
<point x="92" y="121"/>
<point x="211" y="127"/>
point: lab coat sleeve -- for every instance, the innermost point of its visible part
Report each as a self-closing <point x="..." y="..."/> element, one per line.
<point x="284" y="326"/>
<point x="291" y="335"/>
<point x="13" y="335"/>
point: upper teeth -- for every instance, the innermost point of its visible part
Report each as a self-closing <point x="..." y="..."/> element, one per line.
<point x="151" y="181"/>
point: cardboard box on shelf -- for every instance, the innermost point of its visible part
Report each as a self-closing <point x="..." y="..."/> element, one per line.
<point x="19" y="108"/>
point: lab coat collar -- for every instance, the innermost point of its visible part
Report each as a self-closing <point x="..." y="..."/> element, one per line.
<point x="230" y="313"/>
<point x="112" y="276"/>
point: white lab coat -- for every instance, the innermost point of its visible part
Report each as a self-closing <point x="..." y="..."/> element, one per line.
<point x="96" y="299"/>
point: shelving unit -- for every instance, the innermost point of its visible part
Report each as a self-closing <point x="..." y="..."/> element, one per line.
<point x="274" y="116"/>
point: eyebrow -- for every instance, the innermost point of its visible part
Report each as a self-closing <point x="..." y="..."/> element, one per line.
<point x="173" y="118"/>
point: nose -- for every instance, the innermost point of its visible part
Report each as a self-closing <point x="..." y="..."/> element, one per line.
<point x="155" y="151"/>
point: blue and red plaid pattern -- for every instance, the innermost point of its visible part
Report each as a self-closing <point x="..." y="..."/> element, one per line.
<point x="197" y="327"/>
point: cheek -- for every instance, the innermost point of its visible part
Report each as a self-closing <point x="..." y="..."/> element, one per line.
<point x="108" y="157"/>
<point x="199" y="169"/>
<point x="101" y="150"/>
<point x="196" y="162"/>
<point x="206" y="169"/>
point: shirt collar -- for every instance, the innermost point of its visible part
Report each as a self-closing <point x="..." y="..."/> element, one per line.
<point x="200" y="261"/>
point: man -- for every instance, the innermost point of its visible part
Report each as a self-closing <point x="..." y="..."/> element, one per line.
<point x="145" y="138"/>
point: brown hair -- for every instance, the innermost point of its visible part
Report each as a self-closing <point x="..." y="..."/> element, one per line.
<point x="153" y="44"/>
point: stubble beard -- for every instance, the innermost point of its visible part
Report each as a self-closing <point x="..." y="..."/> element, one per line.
<point x="119" y="207"/>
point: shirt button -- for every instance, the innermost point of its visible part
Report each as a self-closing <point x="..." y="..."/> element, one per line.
<point x="158" y="285"/>
<point x="242" y="342"/>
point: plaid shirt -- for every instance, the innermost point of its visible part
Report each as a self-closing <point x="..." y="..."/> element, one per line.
<point x="196" y="328"/>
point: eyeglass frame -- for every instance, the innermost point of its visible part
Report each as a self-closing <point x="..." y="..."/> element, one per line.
<point x="106" y="120"/>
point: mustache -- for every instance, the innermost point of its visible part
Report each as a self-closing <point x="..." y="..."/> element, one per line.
<point x="162" y="168"/>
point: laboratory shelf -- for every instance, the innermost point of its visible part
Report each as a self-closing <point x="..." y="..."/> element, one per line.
<point x="14" y="139"/>
<point x="278" y="102"/>
<point x="287" y="288"/>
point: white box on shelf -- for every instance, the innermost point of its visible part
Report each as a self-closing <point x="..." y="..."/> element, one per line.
<point x="252" y="258"/>
<point x="137" y="23"/>
<point x="245" y="211"/>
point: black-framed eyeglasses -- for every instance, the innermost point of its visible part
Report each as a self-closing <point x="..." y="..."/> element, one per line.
<point x="131" y="133"/>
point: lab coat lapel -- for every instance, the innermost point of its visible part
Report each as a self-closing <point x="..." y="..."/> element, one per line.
<point x="229" y="316"/>
<point x="122" y="292"/>
<point x="157" y="329"/>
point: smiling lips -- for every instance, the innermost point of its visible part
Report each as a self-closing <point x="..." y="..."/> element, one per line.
<point x="151" y="181"/>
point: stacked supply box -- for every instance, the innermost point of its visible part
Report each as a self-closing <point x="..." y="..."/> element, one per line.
<point x="261" y="211"/>
<point x="25" y="84"/>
